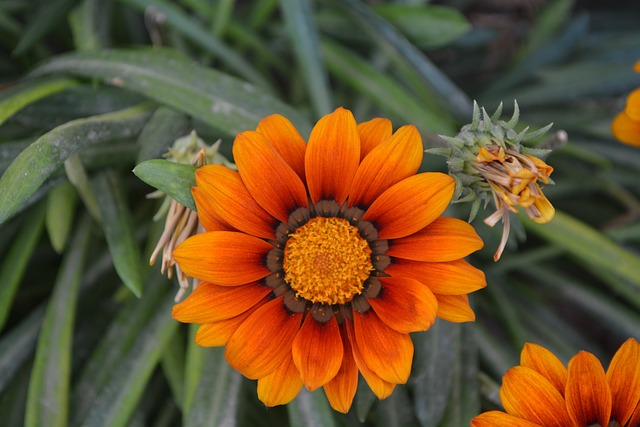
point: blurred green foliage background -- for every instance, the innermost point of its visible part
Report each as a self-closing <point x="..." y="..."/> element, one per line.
<point x="91" y="88"/>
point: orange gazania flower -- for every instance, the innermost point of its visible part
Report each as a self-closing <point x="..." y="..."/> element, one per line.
<point x="626" y="125"/>
<point x="319" y="259"/>
<point x="543" y="392"/>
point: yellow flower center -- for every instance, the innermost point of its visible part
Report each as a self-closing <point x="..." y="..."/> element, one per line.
<point x="327" y="261"/>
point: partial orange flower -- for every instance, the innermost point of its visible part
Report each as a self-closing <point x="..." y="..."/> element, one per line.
<point x="319" y="259"/>
<point x="542" y="392"/>
<point x="626" y="125"/>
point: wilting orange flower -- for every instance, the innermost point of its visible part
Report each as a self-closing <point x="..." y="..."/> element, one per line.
<point x="626" y="125"/>
<point x="543" y="392"/>
<point x="513" y="178"/>
<point x="319" y="259"/>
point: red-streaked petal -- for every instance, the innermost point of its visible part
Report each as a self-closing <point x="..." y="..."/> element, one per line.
<point x="587" y="393"/>
<point x="373" y="133"/>
<point x="281" y="386"/>
<point x="405" y="305"/>
<point x="317" y="351"/>
<point x="229" y="198"/>
<point x="385" y="351"/>
<point x="455" y="308"/>
<point x="445" y="278"/>
<point x="286" y="139"/>
<point x="500" y="419"/>
<point x="626" y="130"/>
<point x="623" y="375"/>
<point x="528" y="395"/>
<point x="208" y="217"/>
<point x="445" y="239"/>
<point x="546" y="364"/>
<point x="381" y="388"/>
<point x="223" y="257"/>
<point x="342" y="388"/>
<point x="218" y="334"/>
<point x="411" y="204"/>
<point x="210" y="303"/>
<point x="264" y="340"/>
<point x="332" y="156"/>
<point x="395" y="159"/>
<point x="267" y="176"/>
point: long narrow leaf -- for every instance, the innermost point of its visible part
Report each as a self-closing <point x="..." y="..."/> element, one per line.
<point x="310" y="409"/>
<point x="224" y="102"/>
<point x="119" y="397"/>
<point x="16" y="260"/>
<point x="35" y="164"/>
<point x="48" y="400"/>
<point x="118" y="230"/>
<point x="174" y="179"/>
<point x="25" y="93"/>
<point x="303" y="35"/>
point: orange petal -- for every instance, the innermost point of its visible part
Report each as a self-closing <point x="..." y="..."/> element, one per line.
<point x="381" y="388"/>
<point x="405" y="305"/>
<point x="626" y="130"/>
<point x="633" y="105"/>
<point x="317" y="351"/>
<point x="211" y="303"/>
<point x="544" y="206"/>
<point x="267" y="176"/>
<point x="455" y="308"/>
<point x="281" y="386"/>
<point x="263" y="341"/>
<point x="397" y="158"/>
<point x="342" y="388"/>
<point x="209" y="218"/>
<point x="385" y="351"/>
<point x="225" y="192"/>
<point x="286" y="139"/>
<point x="332" y="156"/>
<point x="411" y="204"/>
<point x="445" y="239"/>
<point x="445" y="278"/>
<point x="500" y="419"/>
<point x="635" y="417"/>
<point x="218" y="334"/>
<point x="225" y="258"/>
<point x="587" y="393"/>
<point x="373" y="133"/>
<point x="528" y="395"/>
<point x="546" y="364"/>
<point x="623" y="375"/>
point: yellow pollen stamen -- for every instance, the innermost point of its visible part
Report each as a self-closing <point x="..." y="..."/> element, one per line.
<point x="327" y="261"/>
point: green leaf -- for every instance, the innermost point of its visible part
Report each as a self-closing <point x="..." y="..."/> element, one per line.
<point x="123" y="332"/>
<point x="61" y="205"/>
<point x="173" y="179"/>
<point x="222" y="101"/>
<point x="48" y="399"/>
<point x="160" y="132"/>
<point x="310" y="409"/>
<point x="15" y="262"/>
<point x="193" y="370"/>
<point x="216" y="399"/>
<point x="35" y="164"/>
<point x="304" y="37"/>
<point x="77" y="175"/>
<point x="119" y="397"/>
<point x="42" y="22"/>
<point x="400" y="49"/>
<point x="590" y="247"/>
<point x="385" y="91"/>
<point x="173" y="363"/>
<point x="28" y="92"/>
<point x="118" y="230"/>
<point x="428" y="26"/>
<point x="432" y="376"/>
<point x="191" y="28"/>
